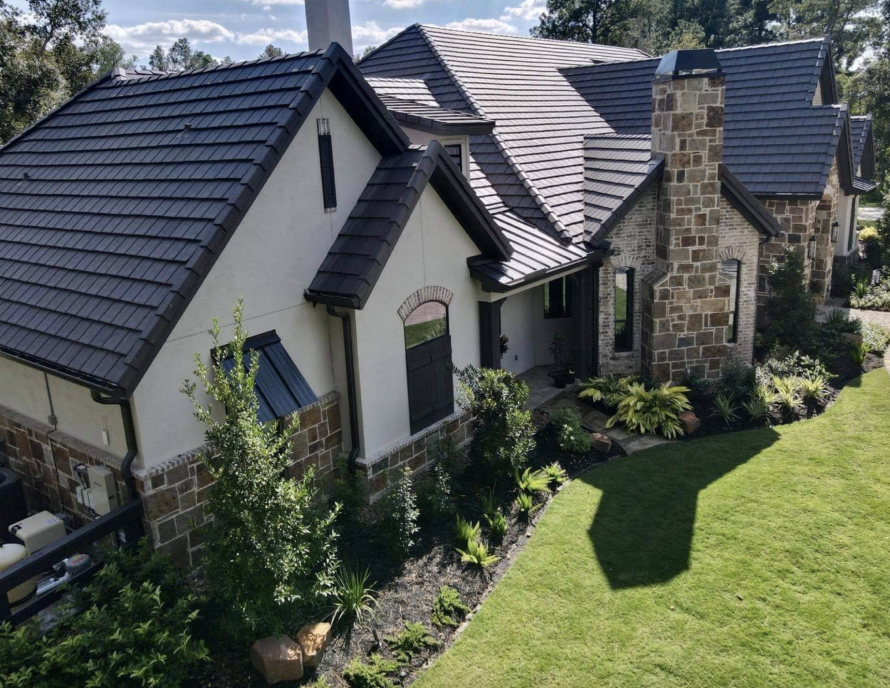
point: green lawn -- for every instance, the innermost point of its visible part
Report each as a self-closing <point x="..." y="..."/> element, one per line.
<point x="753" y="559"/>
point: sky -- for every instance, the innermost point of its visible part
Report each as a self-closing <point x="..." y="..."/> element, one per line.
<point x="240" y="29"/>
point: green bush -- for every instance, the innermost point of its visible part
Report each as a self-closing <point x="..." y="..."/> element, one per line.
<point x="556" y="474"/>
<point x="656" y="410"/>
<point x="373" y="675"/>
<point x="609" y="390"/>
<point x="448" y="608"/>
<point x="434" y="495"/>
<point x="759" y="404"/>
<point x="736" y="377"/>
<point x="446" y="453"/>
<point x="271" y="555"/>
<point x="571" y="438"/>
<point x="525" y="504"/>
<point x="503" y="434"/>
<point x="875" y="297"/>
<point x="414" y="640"/>
<point x="790" y="365"/>
<point x="465" y="531"/>
<point x="859" y="352"/>
<point x="135" y="629"/>
<point x="397" y="519"/>
<point x="497" y="526"/>
<point x="790" y="306"/>
<point x="477" y="554"/>
<point x="875" y="337"/>
<point x="530" y="481"/>
<point x="725" y="408"/>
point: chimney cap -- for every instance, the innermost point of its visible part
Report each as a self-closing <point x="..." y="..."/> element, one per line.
<point x="687" y="64"/>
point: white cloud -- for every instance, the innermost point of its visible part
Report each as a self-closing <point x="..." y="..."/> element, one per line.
<point x="403" y="4"/>
<point x="527" y="10"/>
<point x="265" y="36"/>
<point x="486" y="25"/>
<point x="370" y="33"/>
<point x="266" y="4"/>
<point x="142" y="38"/>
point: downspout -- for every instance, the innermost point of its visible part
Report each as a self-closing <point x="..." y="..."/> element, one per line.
<point x="350" y="386"/>
<point x="129" y="434"/>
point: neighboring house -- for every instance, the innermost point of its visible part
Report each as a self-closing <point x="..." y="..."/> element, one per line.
<point x="381" y="228"/>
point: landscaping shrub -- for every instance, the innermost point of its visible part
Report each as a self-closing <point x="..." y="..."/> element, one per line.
<point x="445" y="452"/>
<point x="571" y="438"/>
<point x="135" y="629"/>
<point x="397" y="519"/>
<point x="609" y="390"/>
<point x="497" y="526"/>
<point x="875" y="337"/>
<point x="373" y="675"/>
<point x="725" y="408"/>
<point x="656" y="410"/>
<point x="530" y="481"/>
<point x="525" y="505"/>
<point x="788" y="398"/>
<point x="830" y="340"/>
<point x="790" y="365"/>
<point x="872" y="246"/>
<point x="859" y="352"/>
<point x="448" y="608"/>
<point x="434" y="495"/>
<point x="812" y="392"/>
<point x="270" y="556"/>
<point x="414" y="640"/>
<point x="350" y="491"/>
<point x="759" y="403"/>
<point x="790" y="306"/>
<point x="875" y="297"/>
<point x="354" y="597"/>
<point x="503" y="434"/>
<point x="465" y="531"/>
<point x="477" y="554"/>
<point x="736" y="377"/>
<point x="556" y="474"/>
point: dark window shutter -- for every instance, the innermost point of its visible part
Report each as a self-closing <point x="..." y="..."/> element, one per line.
<point x="326" y="154"/>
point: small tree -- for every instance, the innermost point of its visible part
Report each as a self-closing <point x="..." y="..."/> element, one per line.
<point x="503" y="434"/>
<point x="270" y="555"/>
<point x="790" y="306"/>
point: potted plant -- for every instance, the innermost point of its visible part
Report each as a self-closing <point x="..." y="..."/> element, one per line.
<point x="563" y="374"/>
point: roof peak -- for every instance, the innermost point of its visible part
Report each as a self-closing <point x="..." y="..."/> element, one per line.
<point x="140" y="73"/>
<point x="536" y="39"/>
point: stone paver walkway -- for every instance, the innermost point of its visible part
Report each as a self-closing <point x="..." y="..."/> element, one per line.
<point x="870" y="214"/>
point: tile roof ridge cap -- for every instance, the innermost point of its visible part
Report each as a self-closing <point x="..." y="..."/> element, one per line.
<point x="164" y="74"/>
<point x="539" y="39"/>
<point x="524" y="179"/>
<point x="798" y="41"/>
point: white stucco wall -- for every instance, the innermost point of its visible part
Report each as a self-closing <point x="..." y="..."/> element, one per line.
<point x="269" y="262"/>
<point x="518" y="323"/>
<point x="432" y="251"/>
<point x="845" y="208"/>
<point x="23" y="389"/>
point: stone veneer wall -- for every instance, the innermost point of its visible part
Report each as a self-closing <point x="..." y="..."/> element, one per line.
<point x="45" y="459"/>
<point x="174" y="493"/>
<point x="684" y="307"/>
<point x="797" y="217"/>
<point x="633" y="241"/>
<point x="385" y="468"/>
<point x="826" y="215"/>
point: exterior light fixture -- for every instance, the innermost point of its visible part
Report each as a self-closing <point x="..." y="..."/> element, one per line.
<point x="811" y="248"/>
<point x="834" y="231"/>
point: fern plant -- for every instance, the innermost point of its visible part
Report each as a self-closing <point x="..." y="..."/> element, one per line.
<point x="353" y="597"/>
<point x="489" y="504"/>
<point x="555" y="473"/>
<point x="465" y="531"/>
<point x="725" y="408"/>
<point x="477" y="554"/>
<point x="414" y="640"/>
<point x="532" y="481"/>
<point x="525" y="504"/>
<point x="652" y="411"/>
<point x="610" y="389"/>
<point x="375" y="674"/>
<point x="448" y="608"/>
<point x="497" y="525"/>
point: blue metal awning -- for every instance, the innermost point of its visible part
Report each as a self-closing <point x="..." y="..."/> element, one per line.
<point x="280" y="387"/>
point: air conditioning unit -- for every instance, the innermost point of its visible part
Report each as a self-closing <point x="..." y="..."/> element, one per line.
<point x="39" y="530"/>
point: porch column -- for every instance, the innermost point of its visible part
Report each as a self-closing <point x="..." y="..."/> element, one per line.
<point x="490" y="333"/>
<point x="583" y="346"/>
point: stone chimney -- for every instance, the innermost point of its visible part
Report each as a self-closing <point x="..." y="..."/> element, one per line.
<point x="327" y="21"/>
<point x="682" y="305"/>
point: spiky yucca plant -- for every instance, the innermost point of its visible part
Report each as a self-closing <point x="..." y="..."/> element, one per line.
<point x="725" y="408"/>
<point x="655" y="410"/>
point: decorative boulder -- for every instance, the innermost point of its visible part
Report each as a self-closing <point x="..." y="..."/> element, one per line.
<point x="277" y="658"/>
<point x="852" y="337"/>
<point x="314" y="639"/>
<point x="690" y="422"/>
<point x="600" y="442"/>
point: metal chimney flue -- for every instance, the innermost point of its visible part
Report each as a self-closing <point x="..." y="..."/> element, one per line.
<point x="327" y="21"/>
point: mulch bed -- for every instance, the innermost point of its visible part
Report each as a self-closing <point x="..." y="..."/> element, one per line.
<point x="406" y="592"/>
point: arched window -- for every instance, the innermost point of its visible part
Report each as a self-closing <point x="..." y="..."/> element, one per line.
<point x="729" y="275"/>
<point x="428" y="321"/>
<point x="624" y="309"/>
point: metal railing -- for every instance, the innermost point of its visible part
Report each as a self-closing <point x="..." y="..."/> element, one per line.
<point x="127" y="518"/>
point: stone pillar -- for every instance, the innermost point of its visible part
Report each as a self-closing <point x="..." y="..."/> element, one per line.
<point x="687" y="310"/>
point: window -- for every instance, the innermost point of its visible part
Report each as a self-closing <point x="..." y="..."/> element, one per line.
<point x="326" y="155"/>
<point x="456" y="153"/>
<point x="624" y="309"/>
<point x="730" y="274"/>
<point x="557" y="299"/>
<point x="428" y="321"/>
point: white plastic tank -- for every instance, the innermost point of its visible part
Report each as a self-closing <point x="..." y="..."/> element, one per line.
<point x="9" y="555"/>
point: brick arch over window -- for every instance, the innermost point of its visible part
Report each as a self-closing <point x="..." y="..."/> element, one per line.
<point x="422" y="295"/>
<point x="733" y="253"/>
<point x="634" y="262"/>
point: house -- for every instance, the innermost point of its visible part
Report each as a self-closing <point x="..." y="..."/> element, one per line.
<point x="385" y="221"/>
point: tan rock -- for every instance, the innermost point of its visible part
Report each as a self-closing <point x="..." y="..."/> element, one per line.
<point x="277" y="658"/>
<point x="852" y="337"/>
<point x="600" y="442"/>
<point x="314" y="639"/>
<point x="690" y="422"/>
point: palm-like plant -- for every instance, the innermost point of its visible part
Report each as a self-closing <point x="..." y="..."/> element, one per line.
<point x="610" y="389"/>
<point x="532" y="481"/>
<point x="353" y="596"/>
<point x="652" y="411"/>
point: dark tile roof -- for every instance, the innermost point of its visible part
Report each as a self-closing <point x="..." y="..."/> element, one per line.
<point x="433" y="119"/>
<point x="280" y="387"/>
<point x="115" y="206"/>
<point x="863" y="148"/>
<point x="359" y="253"/>
<point x="618" y="169"/>
<point x="775" y="140"/>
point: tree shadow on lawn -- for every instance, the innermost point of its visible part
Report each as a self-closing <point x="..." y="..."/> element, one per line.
<point x="643" y="528"/>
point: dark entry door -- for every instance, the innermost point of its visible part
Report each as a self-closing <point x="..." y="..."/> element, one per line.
<point x="430" y="387"/>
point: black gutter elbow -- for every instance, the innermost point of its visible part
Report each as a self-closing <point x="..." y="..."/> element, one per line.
<point x="350" y="386"/>
<point x="129" y="434"/>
